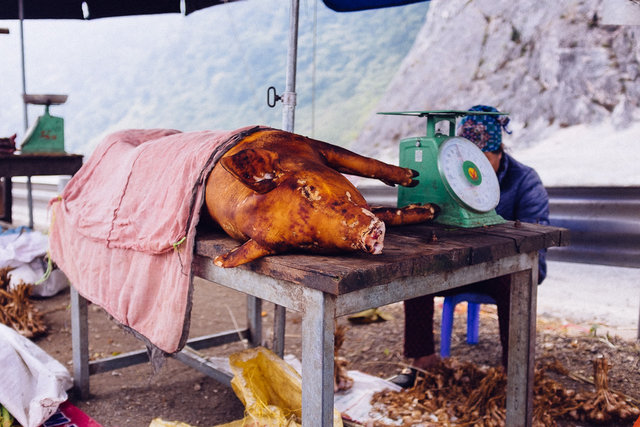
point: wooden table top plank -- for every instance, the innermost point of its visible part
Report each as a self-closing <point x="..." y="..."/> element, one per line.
<point x="39" y="164"/>
<point x="523" y="239"/>
<point x="408" y="251"/>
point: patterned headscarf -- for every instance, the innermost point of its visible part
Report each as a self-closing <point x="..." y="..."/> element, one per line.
<point x="484" y="131"/>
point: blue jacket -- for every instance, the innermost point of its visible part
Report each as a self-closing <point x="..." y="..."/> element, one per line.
<point x="524" y="198"/>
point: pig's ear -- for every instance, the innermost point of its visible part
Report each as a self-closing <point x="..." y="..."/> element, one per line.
<point x="255" y="168"/>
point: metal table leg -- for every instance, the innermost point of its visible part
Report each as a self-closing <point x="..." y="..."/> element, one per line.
<point x="279" y="321"/>
<point x="254" y="320"/>
<point x="80" y="344"/>
<point x="30" y="201"/>
<point x="522" y="341"/>
<point x="318" y="324"/>
<point x="7" y="200"/>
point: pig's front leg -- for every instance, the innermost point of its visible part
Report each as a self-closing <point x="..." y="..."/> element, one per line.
<point x="242" y="254"/>
<point x="346" y="161"/>
<point x="411" y="214"/>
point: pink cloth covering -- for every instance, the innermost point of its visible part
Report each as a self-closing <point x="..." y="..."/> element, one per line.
<point x="123" y="229"/>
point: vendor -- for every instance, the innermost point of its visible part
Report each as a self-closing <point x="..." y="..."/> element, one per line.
<point x="522" y="198"/>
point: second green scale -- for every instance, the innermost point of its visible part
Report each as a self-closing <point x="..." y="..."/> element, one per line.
<point x="454" y="173"/>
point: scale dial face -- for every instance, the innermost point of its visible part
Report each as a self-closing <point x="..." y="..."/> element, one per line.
<point x="467" y="175"/>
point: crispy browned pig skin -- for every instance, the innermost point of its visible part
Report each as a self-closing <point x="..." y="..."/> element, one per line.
<point x="410" y="214"/>
<point x="278" y="192"/>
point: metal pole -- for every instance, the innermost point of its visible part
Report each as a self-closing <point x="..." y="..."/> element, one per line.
<point x="24" y="106"/>
<point x="313" y="70"/>
<point x="5" y="188"/>
<point x="289" y="96"/>
<point x="24" y="79"/>
<point x="288" y="119"/>
<point x="30" y="201"/>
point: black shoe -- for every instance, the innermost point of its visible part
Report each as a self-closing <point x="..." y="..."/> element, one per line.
<point x="406" y="378"/>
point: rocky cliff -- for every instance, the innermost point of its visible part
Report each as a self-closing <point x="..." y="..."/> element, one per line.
<point x="551" y="65"/>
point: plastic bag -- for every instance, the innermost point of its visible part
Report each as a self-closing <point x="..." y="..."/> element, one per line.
<point x="269" y="388"/>
<point x="24" y="252"/>
<point x="34" y="384"/>
<point x="159" y="422"/>
<point x="21" y="247"/>
<point x="33" y="273"/>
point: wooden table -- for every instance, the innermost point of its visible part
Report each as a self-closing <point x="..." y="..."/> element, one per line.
<point x="416" y="260"/>
<point x="32" y="165"/>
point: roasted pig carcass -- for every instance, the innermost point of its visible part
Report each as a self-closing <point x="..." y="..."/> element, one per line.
<point x="279" y="192"/>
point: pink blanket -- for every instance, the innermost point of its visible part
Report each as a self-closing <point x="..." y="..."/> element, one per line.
<point x="123" y="230"/>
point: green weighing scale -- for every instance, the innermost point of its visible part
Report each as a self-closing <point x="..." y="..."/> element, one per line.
<point x="47" y="133"/>
<point x="454" y="173"/>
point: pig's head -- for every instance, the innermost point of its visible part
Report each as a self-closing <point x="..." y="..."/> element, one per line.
<point x="294" y="202"/>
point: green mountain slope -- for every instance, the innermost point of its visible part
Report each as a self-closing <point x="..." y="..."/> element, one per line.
<point x="209" y="70"/>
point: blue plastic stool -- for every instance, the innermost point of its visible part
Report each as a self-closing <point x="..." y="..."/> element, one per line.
<point x="473" y="318"/>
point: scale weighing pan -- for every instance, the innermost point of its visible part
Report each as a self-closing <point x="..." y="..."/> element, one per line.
<point x="454" y="173"/>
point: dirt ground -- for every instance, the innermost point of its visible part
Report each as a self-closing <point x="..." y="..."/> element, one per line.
<point x="133" y="396"/>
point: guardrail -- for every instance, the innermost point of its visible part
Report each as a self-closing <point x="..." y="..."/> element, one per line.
<point x="604" y="222"/>
<point x="41" y="192"/>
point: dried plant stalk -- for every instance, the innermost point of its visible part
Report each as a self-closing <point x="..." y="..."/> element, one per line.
<point x="462" y="394"/>
<point x="605" y="405"/>
<point x="16" y="309"/>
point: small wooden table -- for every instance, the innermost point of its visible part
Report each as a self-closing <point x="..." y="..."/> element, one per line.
<point x="416" y="260"/>
<point x="32" y="165"/>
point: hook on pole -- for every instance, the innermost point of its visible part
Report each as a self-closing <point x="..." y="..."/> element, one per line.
<point x="271" y="102"/>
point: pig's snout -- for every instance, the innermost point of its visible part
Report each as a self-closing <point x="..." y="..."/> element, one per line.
<point x="373" y="237"/>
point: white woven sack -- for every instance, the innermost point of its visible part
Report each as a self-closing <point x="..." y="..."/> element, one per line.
<point x="34" y="383"/>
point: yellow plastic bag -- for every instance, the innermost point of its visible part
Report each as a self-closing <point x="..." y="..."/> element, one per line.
<point x="159" y="422"/>
<point x="269" y="388"/>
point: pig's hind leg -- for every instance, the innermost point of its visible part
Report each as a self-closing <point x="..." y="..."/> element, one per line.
<point x="346" y="161"/>
<point x="411" y="214"/>
<point x="242" y="254"/>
